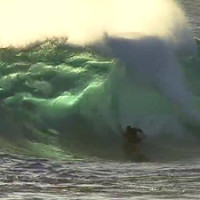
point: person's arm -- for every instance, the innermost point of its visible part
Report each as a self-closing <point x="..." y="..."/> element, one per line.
<point x="140" y="130"/>
<point x="141" y="133"/>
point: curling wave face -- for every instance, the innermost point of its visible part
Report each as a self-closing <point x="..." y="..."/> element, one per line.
<point x="133" y="65"/>
<point x="65" y="102"/>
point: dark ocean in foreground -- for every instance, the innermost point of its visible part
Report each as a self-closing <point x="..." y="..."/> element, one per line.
<point x="62" y="109"/>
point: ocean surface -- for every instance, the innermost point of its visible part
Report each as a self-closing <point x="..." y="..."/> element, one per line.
<point x="63" y="109"/>
<point x="191" y="9"/>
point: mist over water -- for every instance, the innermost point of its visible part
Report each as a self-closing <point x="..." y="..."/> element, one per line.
<point x="29" y="21"/>
<point x="155" y="61"/>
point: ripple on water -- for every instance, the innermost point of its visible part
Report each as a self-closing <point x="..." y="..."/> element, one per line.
<point x="46" y="179"/>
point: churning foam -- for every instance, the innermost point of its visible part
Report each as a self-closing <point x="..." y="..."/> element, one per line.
<point x="85" y="21"/>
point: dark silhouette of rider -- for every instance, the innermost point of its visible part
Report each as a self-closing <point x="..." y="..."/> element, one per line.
<point x="133" y="135"/>
<point x="132" y="138"/>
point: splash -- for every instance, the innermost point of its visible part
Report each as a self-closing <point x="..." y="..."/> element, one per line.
<point x="154" y="62"/>
<point x="85" y="21"/>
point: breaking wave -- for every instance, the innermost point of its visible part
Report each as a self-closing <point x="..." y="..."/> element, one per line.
<point x="74" y="95"/>
<point x="64" y="101"/>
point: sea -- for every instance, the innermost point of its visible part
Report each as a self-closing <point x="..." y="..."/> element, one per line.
<point x="63" y="111"/>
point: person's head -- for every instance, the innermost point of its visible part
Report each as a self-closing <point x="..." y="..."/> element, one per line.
<point x="128" y="128"/>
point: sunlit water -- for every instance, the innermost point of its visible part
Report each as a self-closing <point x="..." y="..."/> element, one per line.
<point x="44" y="179"/>
<point x="22" y="178"/>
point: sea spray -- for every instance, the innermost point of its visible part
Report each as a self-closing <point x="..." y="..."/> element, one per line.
<point x="154" y="61"/>
<point x="85" y="21"/>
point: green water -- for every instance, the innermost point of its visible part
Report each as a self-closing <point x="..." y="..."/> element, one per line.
<point x="54" y="98"/>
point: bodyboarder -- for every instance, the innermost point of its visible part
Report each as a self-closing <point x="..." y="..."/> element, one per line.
<point x="133" y="137"/>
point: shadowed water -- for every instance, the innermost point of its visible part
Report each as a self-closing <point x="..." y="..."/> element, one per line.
<point x="192" y="9"/>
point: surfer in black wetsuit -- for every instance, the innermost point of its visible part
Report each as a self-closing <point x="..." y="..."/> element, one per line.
<point x="132" y="138"/>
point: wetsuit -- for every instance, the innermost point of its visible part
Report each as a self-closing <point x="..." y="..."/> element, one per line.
<point x="132" y="138"/>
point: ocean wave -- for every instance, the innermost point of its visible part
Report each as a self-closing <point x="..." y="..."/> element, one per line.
<point x="63" y="101"/>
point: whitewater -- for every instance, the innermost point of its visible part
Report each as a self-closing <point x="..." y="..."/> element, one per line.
<point x="70" y="85"/>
